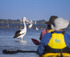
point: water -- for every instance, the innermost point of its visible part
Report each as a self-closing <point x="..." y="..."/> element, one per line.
<point x="7" y="42"/>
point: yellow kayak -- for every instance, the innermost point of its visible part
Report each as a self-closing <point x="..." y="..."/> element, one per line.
<point x="55" y="55"/>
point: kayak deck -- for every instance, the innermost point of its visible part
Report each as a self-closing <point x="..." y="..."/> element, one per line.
<point x="55" y="55"/>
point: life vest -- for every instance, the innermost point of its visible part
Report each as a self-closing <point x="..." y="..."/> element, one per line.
<point x="51" y="30"/>
<point x="57" y="41"/>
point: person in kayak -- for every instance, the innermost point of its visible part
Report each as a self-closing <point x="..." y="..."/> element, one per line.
<point x="57" y="40"/>
<point x="49" y="29"/>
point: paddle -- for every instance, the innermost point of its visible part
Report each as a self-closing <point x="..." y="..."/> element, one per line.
<point x="36" y="42"/>
<point x="16" y="51"/>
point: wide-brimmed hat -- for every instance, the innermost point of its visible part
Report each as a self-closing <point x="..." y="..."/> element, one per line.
<point x="51" y="20"/>
<point x="60" y="23"/>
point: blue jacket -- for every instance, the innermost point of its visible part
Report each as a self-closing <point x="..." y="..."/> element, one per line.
<point x="45" y="39"/>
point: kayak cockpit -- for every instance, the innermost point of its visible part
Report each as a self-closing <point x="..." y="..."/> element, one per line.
<point x="56" y="55"/>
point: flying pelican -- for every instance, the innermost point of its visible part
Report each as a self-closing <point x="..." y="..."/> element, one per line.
<point x="30" y="26"/>
<point x="20" y="33"/>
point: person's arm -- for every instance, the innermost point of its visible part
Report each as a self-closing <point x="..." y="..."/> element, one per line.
<point x="43" y="43"/>
<point x="43" y="33"/>
<point x="40" y="49"/>
<point x="68" y="41"/>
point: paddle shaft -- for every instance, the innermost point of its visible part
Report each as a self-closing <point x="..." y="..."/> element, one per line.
<point x="27" y="51"/>
<point x="16" y="51"/>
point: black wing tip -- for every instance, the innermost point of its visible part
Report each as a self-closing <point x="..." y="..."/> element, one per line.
<point x="14" y="37"/>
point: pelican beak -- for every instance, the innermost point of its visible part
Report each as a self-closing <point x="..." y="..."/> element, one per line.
<point x="28" y="21"/>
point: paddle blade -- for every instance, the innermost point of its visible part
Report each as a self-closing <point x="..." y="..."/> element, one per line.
<point x="36" y="42"/>
<point x="16" y="51"/>
<point x="9" y="51"/>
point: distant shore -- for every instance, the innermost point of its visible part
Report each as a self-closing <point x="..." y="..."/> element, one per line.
<point x="19" y="24"/>
<point x="10" y="21"/>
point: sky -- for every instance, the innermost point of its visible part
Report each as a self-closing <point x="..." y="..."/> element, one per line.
<point x="34" y="9"/>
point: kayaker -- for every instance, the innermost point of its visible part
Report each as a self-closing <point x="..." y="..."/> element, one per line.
<point x="49" y="29"/>
<point x="55" y="41"/>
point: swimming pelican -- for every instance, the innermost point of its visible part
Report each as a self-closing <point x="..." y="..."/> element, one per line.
<point x="20" y="33"/>
<point x="37" y="28"/>
<point x="30" y="26"/>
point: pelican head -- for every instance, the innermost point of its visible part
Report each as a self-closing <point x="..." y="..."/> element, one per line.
<point x="25" y="19"/>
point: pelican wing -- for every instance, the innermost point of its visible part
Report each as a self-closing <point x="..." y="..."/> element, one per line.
<point x="17" y="33"/>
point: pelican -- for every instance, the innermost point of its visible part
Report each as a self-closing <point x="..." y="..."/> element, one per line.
<point x="37" y="28"/>
<point x="35" y="22"/>
<point x="30" y="26"/>
<point x="20" y="33"/>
